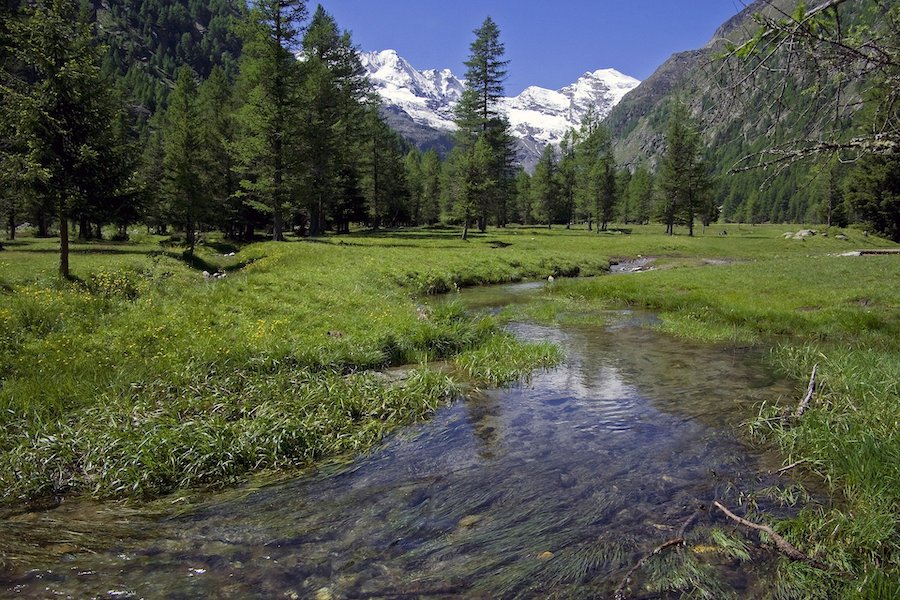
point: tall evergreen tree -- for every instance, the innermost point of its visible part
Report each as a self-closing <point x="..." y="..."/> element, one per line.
<point x="684" y="182"/>
<point x="523" y="197"/>
<point x="269" y="82"/>
<point x="545" y="188"/>
<point x="596" y="190"/>
<point x="566" y="175"/>
<point x="331" y="103"/>
<point x="430" y="170"/>
<point x="63" y="111"/>
<point x="183" y="167"/>
<point x="477" y="118"/>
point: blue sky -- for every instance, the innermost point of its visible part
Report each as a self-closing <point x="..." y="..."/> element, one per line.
<point x="548" y="43"/>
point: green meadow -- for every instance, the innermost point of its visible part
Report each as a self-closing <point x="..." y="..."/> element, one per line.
<point x="143" y="376"/>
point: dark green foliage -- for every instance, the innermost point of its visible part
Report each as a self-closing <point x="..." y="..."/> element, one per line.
<point x="684" y="183"/>
<point x="873" y="189"/>
<point x="269" y="81"/>
<point x="383" y="172"/>
<point x="67" y="131"/>
<point x="597" y="190"/>
<point x="478" y="119"/>
<point x="189" y="201"/>
<point x="148" y="41"/>
<point x="545" y="188"/>
<point x="331" y="95"/>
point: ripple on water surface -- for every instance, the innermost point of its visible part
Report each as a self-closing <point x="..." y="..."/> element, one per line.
<point x="554" y="488"/>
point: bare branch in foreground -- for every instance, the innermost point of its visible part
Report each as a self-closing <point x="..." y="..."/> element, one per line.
<point x="678" y="540"/>
<point x="810" y="390"/>
<point x="782" y="544"/>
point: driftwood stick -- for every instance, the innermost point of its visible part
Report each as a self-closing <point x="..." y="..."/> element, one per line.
<point x="782" y="544"/>
<point x="675" y="541"/>
<point x="804" y="404"/>
<point x="789" y="467"/>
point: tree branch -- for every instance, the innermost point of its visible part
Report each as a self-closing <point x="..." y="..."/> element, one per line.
<point x="782" y="544"/>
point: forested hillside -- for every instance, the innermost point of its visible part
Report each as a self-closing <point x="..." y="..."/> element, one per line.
<point x="741" y="111"/>
<point x="149" y="40"/>
<point x="259" y="119"/>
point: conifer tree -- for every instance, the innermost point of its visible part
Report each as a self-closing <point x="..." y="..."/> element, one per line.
<point x="264" y="153"/>
<point x="62" y="112"/>
<point x="334" y="87"/>
<point x="523" y="197"/>
<point x="566" y="175"/>
<point x="684" y="182"/>
<point x="183" y="168"/>
<point x="477" y="118"/>
<point x="414" y="183"/>
<point x="544" y="187"/>
<point x="217" y="133"/>
<point x="477" y="183"/>
<point x="430" y="170"/>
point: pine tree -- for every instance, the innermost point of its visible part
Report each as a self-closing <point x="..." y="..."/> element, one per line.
<point x="523" y="197"/>
<point x="415" y="184"/>
<point x="477" y="118"/>
<point x="486" y="70"/>
<point x="217" y="133"/>
<point x="183" y="168"/>
<point x="331" y="100"/>
<point x="566" y="175"/>
<point x="431" y="187"/>
<point x="477" y="182"/>
<point x="269" y="82"/>
<point x="63" y="113"/>
<point x="595" y="177"/>
<point x="684" y="182"/>
<point x="544" y="187"/>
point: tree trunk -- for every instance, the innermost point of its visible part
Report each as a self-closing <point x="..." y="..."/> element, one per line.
<point x="84" y="228"/>
<point x="465" y="233"/>
<point x="43" y="226"/>
<point x="12" y="224"/>
<point x="63" y="245"/>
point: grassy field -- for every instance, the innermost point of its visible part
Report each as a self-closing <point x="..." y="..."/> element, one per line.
<point x="143" y="376"/>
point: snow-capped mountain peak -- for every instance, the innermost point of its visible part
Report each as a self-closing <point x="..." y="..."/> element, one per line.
<point x="416" y="99"/>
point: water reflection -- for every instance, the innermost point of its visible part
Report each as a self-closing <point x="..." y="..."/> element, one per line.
<point x="554" y="488"/>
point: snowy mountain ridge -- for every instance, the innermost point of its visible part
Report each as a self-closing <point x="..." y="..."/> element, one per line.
<point x="421" y="103"/>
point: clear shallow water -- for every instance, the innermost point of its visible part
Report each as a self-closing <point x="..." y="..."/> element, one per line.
<point x="553" y="489"/>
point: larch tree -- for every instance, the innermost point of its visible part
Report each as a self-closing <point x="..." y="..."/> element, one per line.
<point x="523" y="197"/>
<point x="545" y="187"/>
<point x="63" y="112"/>
<point x="183" y="168"/>
<point x="478" y="118"/>
<point x="269" y="81"/>
<point x="684" y="183"/>
<point x="430" y="170"/>
<point x="331" y="100"/>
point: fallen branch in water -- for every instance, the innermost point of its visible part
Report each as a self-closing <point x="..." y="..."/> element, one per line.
<point x="804" y="404"/>
<point x="678" y="540"/>
<point x="782" y="544"/>
<point x="789" y="467"/>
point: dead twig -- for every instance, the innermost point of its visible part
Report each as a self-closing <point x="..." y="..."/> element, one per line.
<point x="678" y="540"/>
<point x="789" y="467"/>
<point x="810" y="390"/>
<point x="782" y="544"/>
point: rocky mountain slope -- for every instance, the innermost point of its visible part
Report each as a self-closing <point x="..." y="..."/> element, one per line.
<point x="419" y="104"/>
<point x="735" y="121"/>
